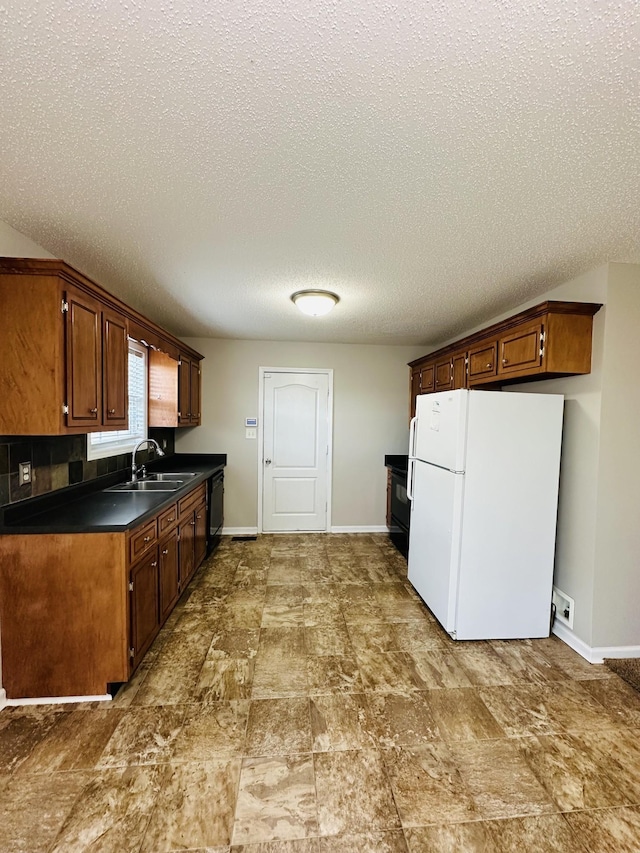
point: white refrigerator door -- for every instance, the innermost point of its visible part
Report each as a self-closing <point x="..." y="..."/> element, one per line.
<point x="440" y="430"/>
<point x="434" y="539"/>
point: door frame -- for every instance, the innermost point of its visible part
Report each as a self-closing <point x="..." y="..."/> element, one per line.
<point x="328" y="371"/>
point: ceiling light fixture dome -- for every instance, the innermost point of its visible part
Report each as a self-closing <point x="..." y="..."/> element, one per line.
<point x="315" y="303"/>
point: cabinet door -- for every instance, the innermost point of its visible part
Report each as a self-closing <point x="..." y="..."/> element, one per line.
<point x="115" y="355"/>
<point x="200" y="544"/>
<point x="186" y="549"/>
<point x="444" y="378"/>
<point x="143" y="590"/>
<point x="84" y="361"/>
<point x="460" y="371"/>
<point x="184" y="391"/>
<point x="194" y="395"/>
<point x="482" y="361"/>
<point x="163" y="390"/>
<point x="169" y="577"/>
<point x="520" y="350"/>
<point x="428" y="379"/>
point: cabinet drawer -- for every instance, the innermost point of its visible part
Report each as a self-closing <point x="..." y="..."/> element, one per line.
<point x="142" y="538"/>
<point x="187" y="504"/>
<point x="482" y="361"/>
<point x="167" y="519"/>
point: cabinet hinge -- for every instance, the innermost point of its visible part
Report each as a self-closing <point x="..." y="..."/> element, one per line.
<point x="130" y="586"/>
<point x="65" y="409"/>
<point x="179" y="363"/>
<point x="64" y="308"/>
<point x="132" y="653"/>
<point x="541" y="344"/>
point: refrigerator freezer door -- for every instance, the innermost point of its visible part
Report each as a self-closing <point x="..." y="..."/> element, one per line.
<point x="434" y="539"/>
<point x="440" y="432"/>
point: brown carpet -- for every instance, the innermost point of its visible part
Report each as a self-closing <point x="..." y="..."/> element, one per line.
<point x="627" y="668"/>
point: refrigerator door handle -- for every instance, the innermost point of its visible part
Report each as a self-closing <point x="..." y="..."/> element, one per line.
<point x="412" y="462"/>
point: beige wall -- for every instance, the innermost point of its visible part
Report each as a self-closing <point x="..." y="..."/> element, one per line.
<point x="13" y="244"/>
<point x="616" y="615"/>
<point x="370" y="418"/>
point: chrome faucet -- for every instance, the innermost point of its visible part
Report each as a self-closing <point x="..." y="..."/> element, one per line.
<point x="134" y="467"/>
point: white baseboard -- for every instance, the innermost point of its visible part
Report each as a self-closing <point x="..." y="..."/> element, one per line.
<point x="58" y="700"/>
<point x="3" y="698"/>
<point x="239" y="531"/>
<point x="594" y="654"/>
<point x="361" y="528"/>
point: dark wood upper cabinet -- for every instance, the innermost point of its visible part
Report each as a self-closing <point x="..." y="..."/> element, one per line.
<point x="550" y="339"/>
<point x="115" y="383"/>
<point x="84" y="360"/>
<point x="64" y="353"/>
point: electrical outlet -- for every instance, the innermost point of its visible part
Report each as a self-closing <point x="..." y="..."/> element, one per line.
<point x="565" y="605"/>
<point x="25" y="472"/>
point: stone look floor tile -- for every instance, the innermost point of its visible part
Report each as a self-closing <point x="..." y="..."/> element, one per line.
<point x="428" y="786"/>
<point x="354" y="795"/>
<point x="112" y="811"/>
<point x="302" y="699"/>
<point x="500" y="780"/>
<point x="143" y="736"/>
<point x="399" y="720"/>
<point x="214" y="730"/>
<point x="34" y="809"/>
<point x="276" y="800"/>
<point x="278" y="727"/>
<point x="341" y="721"/>
<point x="195" y="807"/>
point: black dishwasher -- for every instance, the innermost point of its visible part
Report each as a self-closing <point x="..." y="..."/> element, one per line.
<point x="216" y="509"/>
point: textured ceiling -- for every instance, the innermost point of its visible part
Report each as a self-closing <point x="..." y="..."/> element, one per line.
<point x="434" y="163"/>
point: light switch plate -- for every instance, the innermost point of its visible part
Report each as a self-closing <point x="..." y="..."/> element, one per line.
<point x="250" y="433"/>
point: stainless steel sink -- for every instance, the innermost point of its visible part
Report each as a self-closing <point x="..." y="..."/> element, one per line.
<point x="147" y="486"/>
<point x="161" y="478"/>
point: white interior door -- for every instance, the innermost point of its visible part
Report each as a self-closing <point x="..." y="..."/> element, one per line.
<point x="295" y="458"/>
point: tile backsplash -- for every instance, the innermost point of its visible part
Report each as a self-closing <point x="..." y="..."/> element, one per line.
<point x="59" y="461"/>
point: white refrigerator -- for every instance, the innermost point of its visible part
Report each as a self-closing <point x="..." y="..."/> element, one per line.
<point x="483" y="482"/>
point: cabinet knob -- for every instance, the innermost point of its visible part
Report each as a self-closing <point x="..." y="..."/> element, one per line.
<point x="505" y="361"/>
<point x="112" y="411"/>
<point x="147" y="539"/>
<point x="154" y="564"/>
<point x="489" y="366"/>
<point x="192" y="523"/>
<point x="171" y="519"/>
<point x="165" y="551"/>
<point x="198" y="516"/>
<point x="93" y="411"/>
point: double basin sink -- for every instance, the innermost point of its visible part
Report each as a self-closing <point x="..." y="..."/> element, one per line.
<point x="155" y="483"/>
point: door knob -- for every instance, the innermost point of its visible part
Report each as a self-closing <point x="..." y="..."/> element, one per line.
<point x="267" y="462"/>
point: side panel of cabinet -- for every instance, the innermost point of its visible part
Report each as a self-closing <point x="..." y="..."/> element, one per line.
<point x="64" y="623"/>
<point x="32" y="377"/>
<point x="567" y="343"/>
<point x="169" y="574"/>
<point x="195" y="393"/>
<point x="115" y="385"/>
<point x="184" y="391"/>
<point x="144" y="606"/>
<point x="84" y="361"/>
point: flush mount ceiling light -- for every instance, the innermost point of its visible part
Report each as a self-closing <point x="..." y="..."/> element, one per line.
<point x="315" y="303"/>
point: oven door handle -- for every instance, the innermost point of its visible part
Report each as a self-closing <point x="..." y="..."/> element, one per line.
<point x="412" y="461"/>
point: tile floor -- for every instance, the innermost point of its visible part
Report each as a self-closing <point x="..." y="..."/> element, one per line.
<point x="301" y="699"/>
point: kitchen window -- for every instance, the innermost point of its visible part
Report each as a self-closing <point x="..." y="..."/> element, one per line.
<point x="101" y="444"/>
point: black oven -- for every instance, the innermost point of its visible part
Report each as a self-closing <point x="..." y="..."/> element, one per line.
<point x="400" y="509"/>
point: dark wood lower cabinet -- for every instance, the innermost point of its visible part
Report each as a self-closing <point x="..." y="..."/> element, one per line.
<point x="143" y="590"/>
<point x="78" y="611"/>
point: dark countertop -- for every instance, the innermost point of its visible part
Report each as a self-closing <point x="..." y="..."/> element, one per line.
<point x="397" y="462"/>
<point x="83" y="509"/>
